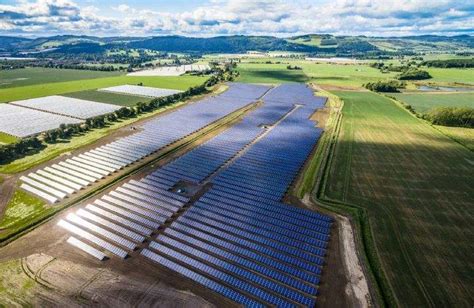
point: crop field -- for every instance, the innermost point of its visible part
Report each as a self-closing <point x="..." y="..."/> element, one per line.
<point x="269" y="73"/>
<point x="108" y="97"/>
<point x="424" y="102"/>
<point x="169" y="82"/>
<point x="351" y="75"/>
<point x="38" y="75"/>
<point x="464" y="136"/>
<point x="416" y="186"/>
<point x="451" y="75"/>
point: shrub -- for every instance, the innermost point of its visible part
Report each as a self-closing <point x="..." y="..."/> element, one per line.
<point x="385" y="86"/>
<point x="414" y="74"/>
<point x="451" y="116"/>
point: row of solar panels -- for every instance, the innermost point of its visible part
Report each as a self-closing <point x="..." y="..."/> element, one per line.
<point x="61" y="180"/>
<point x="238" y="233"/>
<point x="249" y="249"/>
<point x="121" y="220"/>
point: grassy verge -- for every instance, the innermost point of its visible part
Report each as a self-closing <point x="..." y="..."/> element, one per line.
<point x="21" y="209"/>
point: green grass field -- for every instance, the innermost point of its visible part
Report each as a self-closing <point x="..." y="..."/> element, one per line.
<point x="22" y="208"/>
<point x="39" y="75"/>
<point x="424" y="102"/>
<point x="451" y="75"/>
<point x="269" y="73"/>
<point x="171" y="82"/>
<point x="351" y="75"/>
<point x="416" y="186"/>
<point x="7" y="139"/>
<point x="107" y="97"/>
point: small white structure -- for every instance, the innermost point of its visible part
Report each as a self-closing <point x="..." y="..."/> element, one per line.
<point x="140" y="91"/>
<point x="171" y="70"/>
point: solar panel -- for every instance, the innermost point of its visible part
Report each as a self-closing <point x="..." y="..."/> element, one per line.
<point x="43" y="187"/>
<point x="75" y="171"/>
<point x="60" y="180"/>
<point x="87" y="163"/>
<point x="51" y="183"/>
<point x="224" y="277"/>
<point x="119" y="229"/>
<point x="247" y="262"/>
<point x="259" y="280"/>
<point x="136" y="209"/>
<point x="100" y="162"/>
<point x="130" y="224"/>
<point x="39" y="193"/>
<point x="163" y="211"/>
<point x="86" y="248"/>
<point x="219" y="288"/>
<point x="84" y="169"/>
<point x="67" y="176"/>
<point x="144" y="221"/>
<point x="101" y="231"/>
<point x="93" y="239"/>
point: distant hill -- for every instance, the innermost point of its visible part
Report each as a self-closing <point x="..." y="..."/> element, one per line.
<point x="220" y="44"/>
<point x="310" y="43"/>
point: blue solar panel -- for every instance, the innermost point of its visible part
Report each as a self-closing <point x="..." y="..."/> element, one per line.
<point x="219" y="288"/>
<point x="224" y="277"/>
<point x="232" y="256"/>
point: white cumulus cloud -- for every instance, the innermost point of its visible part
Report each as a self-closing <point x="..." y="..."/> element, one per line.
<point x="262" y="17"/>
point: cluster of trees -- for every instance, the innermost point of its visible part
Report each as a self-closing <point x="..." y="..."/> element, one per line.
<point x="25" y="146"/>
<point x="289" y="67"/>
<point x="451" y="116"/>
<point x="19" y="149"/>
<point x="414" y="74"/>
<point x="451" y="63"/>
<point x="385" y="86"/>
<point x="408" y="71"/>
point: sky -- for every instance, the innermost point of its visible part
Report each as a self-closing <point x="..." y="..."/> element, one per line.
<point x="36" y="18"/>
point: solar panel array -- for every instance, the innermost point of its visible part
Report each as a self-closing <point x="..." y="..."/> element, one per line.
<point x="140" y="91"/>
<point x="23" y="122"/>
<point x="238" y="239"/>
<point x="122" y="219"/>
<point x="93" y="165"/>
<point x="67" y="106"/>
<point x="239" y="234"/>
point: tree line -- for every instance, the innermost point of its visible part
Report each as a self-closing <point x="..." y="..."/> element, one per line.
<point x="31" y="145"/>
<point x="450" y="63"/>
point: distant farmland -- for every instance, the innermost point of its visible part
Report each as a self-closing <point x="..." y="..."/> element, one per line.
<point x="39" y="75"/>
<point x="269" y="73"/>
<point x="416" y="185"/>
<point x="108" y="97"/>
<point x="170" y="82"/>
<point x="424" y="102"/>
